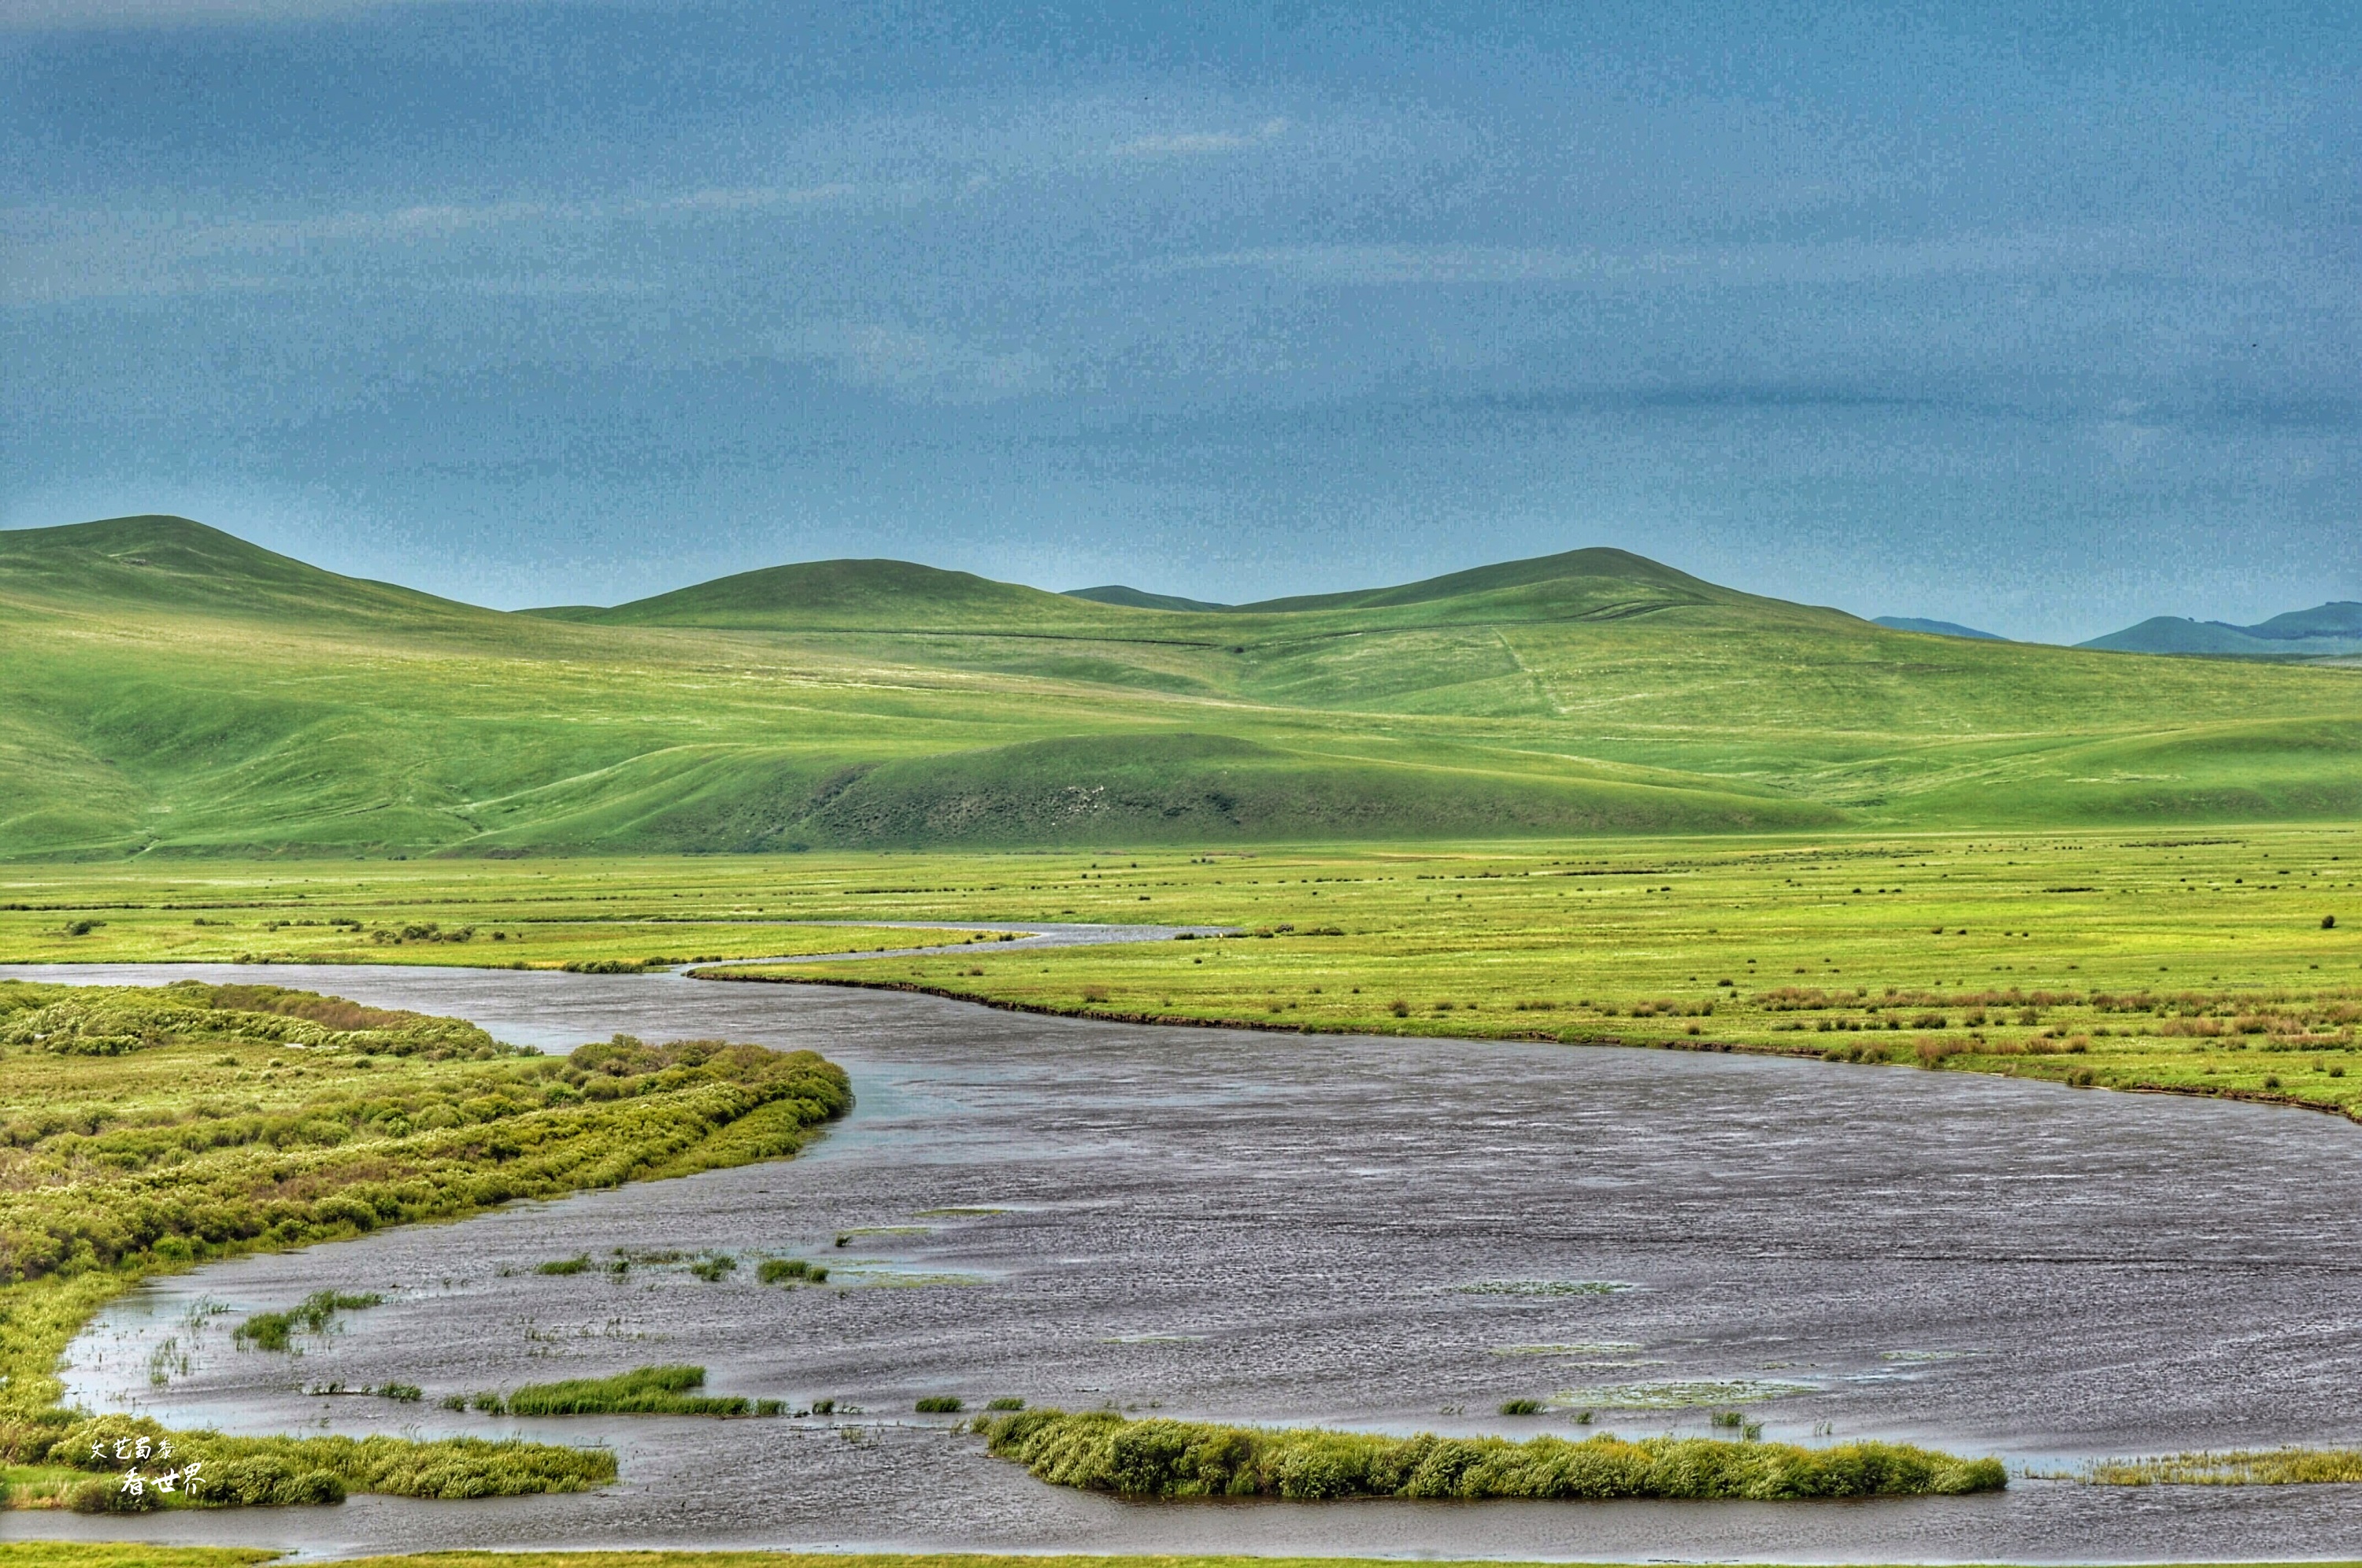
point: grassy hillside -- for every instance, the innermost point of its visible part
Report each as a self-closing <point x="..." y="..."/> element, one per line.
<point x="171" y="689"/>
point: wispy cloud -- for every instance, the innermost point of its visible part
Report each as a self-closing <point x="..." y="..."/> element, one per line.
<point x="916" y="367"/>
<point x="1201" y="144"/>
<point x="2053" y="252"/>
<point x="62" y="256"/>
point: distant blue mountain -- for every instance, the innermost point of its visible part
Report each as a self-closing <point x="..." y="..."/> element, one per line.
<point x="2324" y="630"/>
<point x="1936" y="628"/>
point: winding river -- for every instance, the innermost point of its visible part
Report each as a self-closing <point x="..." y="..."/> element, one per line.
<point x="1378" y="1233"/>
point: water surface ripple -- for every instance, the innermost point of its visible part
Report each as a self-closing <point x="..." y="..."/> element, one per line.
<point x="1387" y="1234"/>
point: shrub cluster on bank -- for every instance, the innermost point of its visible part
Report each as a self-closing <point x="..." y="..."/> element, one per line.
<point x="1106" y="1451"/>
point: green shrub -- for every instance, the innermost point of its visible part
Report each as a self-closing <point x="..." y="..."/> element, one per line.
<point x="1006" y="1403"/>
<point x="564" y="1265"/>
<point x="938" y="1405"/>
<point x="1522" y="1407"/>
<point x="713" y="1269"/>
<point x="1106" y="1451"/>
<point x="107" y="1495"/>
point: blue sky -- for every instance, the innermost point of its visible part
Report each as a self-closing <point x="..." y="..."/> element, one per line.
<point x="2043" y="318"/>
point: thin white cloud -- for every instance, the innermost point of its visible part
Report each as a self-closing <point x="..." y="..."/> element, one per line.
<point x="1201" y="144"/>
<point x="916" y="367"/>
<point x="2061" y="252"/>
<point x="64" y="256"/>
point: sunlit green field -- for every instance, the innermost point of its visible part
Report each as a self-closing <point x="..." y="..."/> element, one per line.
<point x="2197" y="962"/>
<point x="171" y="690"/>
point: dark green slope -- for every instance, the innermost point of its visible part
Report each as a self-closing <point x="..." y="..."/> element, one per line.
<point x="1602" y="567"/>
<point x="1141" y="599"/>
<point x="171" y="565"/>
<point x="862" y="595"/>
<point x="1934" y="628"/>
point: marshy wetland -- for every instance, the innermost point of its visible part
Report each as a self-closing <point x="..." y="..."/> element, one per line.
<point x="1382" y="1235"/>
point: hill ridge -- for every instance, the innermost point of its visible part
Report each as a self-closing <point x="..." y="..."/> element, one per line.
<point x="2330" y="629"/>
<point x="213" y="698"/>
<point x="163" y="561"/>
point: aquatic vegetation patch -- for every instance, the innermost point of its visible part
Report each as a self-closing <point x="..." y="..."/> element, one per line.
<point x="1574" y="1347"/>
<point x="643" y="1391"/>
<point x="1104" y="1451"/>
<point x="885" y="1277"/>
<point x="1682" y="1394"/>
<point x="276" y="1331"/>
<point x="791" y="1271"/>
<point x="2237" y="1468"/>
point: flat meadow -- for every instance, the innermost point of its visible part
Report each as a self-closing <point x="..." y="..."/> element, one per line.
<point x="2217" y="960"/>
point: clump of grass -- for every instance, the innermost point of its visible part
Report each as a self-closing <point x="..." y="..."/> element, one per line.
<point x="791" y="1271"/>
<point x="714" y="1267"/>
<point x="2241" y="1467"/>
<point x="276" y="1331"/>
<point x="403" y="1392"/>
<point x="643" y="1391"/>
<point x="939" y="1405"/>
<point x="1103" y="1451"/>
<point x="575" y="1265"/>
<point x="1006" y="1402"/>
<point x="1522" y="1407"/>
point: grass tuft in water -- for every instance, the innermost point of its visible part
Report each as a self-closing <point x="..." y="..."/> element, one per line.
<point x="2238" y="1467"/>
<point x="643" y="1391"/>
<point x="791" y="1271"/>
<point x="276" y="1331"/>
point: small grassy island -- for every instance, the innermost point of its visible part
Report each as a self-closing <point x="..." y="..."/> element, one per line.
<point x="150" y="1129"/>
<point x="1103" y="1451"/>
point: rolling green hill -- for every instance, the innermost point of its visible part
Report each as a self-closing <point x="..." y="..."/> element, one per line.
<point x="168" y="689"/>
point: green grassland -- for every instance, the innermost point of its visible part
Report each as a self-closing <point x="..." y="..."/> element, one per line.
<point x="169" y="690"/>
<point x="146" y="1130"/>
<point x="2193" y="962"/>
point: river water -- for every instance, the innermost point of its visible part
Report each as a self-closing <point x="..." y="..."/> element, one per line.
<point x="1375" y="1234"/>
